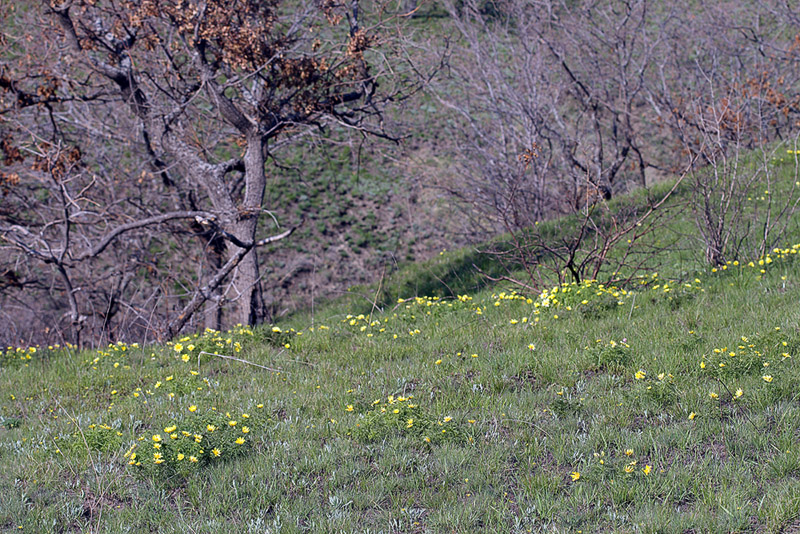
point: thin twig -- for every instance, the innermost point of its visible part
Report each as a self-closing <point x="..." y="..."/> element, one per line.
<point x="741" y="410"/>
<point x="377" y="294"/>
<point x="633" y="303"/>
<point x="534" y="425"/>
<point x="237" y="359"/>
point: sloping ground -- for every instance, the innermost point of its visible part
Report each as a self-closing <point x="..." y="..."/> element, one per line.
<point x="667" y="406"/>
<point x="358" y="214"/>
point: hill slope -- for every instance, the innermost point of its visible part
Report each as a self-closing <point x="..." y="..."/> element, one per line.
<point x="669" y="405"/>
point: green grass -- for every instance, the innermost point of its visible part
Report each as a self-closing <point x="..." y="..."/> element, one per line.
<point x="484" y="412"/>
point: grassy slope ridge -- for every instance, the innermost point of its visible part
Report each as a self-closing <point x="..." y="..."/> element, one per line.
<point x="667" y="406"/>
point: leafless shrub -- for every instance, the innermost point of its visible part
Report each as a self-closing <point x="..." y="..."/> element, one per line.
<point x="741" y="208"/>
<point x="736" y="106"/>
<point x="595" y="243"/>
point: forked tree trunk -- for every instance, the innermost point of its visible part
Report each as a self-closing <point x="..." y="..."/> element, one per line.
<point x="255" y="104"/>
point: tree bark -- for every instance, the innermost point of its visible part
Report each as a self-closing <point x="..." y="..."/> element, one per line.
<point x="245" y="289"/>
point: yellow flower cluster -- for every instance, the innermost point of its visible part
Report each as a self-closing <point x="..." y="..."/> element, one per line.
<point x="189" y="347"/>
<point x="754" y="355"/>
<point x="195" y="441"/>
<point x="568" y="295"/>
<point x="614" y="463"/>
<point x="777" y="255"/>
<point x="17" y="355"/>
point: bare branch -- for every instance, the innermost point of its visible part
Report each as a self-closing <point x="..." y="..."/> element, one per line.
<point x="157" y="219"/>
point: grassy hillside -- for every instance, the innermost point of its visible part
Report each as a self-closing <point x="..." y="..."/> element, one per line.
<point x="669" y="405"/>
<point x="357" y="213"/>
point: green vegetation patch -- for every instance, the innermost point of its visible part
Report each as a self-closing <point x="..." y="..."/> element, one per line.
<point x="195" y="440"/>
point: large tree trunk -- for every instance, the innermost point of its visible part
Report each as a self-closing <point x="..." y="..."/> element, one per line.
<point x="245" y="289"/>
<point x="244" y="294"/>
<point x="177" y="101"/>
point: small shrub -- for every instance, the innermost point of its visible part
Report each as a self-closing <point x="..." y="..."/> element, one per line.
<point x="613" y="355"/>
<point x="184" y="446"/>
<point x="98" y="437"/>
<point x="402" y="416"/>
<point x="10" y="422"/>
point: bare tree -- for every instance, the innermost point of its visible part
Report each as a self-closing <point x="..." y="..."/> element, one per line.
<point x="136" y="138"/>
<point x="549" y="77"/>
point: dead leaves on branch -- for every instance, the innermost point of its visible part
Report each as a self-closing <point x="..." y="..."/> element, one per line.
<point x="238" y="40"/>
